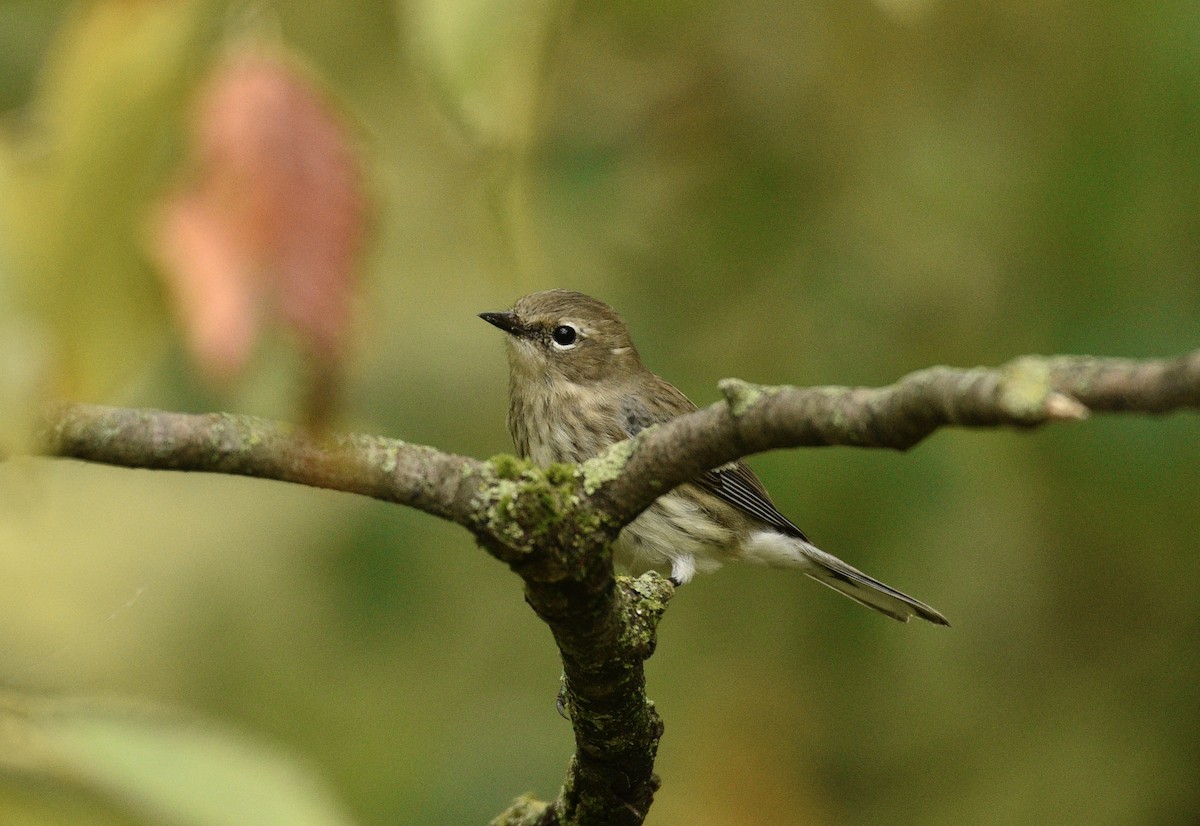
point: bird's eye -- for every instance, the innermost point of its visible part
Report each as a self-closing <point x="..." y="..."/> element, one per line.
<point x="564" y="335"/>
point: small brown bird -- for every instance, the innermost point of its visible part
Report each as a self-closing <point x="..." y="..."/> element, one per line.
<point x="577" y="386"/>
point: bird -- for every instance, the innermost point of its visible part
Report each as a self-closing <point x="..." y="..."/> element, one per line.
<point x="577" y="386"/>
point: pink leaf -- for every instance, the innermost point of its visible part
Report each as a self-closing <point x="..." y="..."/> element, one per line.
<point x="271" y="226"/>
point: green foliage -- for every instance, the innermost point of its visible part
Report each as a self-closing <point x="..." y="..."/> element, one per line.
<point x="96" y="144"/>
<point x="153" y="767"/>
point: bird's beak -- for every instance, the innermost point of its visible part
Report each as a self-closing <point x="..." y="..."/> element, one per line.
<point x="508" y="322"/>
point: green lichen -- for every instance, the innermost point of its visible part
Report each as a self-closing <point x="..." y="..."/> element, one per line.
<point x="528" y="507"/>
<point x="526" y="810"/>
<point x="217" y="428"/>
<point x="645" y="602"/>
<point x="606" y="467"/>
<point x="742" y="395"/>
<point x="381" y="451"/>
<point x="1024" y="388"/>
<point x="499" y="511"/>
<point x="559" y="474"/>
<point x="506" y="466"/>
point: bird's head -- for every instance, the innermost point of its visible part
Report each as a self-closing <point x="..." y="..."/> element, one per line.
<point x="566" y="335"/>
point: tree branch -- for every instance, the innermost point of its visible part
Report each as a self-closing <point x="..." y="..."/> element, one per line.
<point x="555" y="526"/>
<point x="438" y="483"/>
<point x="533" y="519"/>
<point x="1027" y="392"/>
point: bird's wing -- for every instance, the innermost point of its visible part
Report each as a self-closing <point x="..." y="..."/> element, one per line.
<point x="734" y="483"/>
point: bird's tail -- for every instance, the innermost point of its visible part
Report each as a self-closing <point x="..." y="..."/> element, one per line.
<point x="846" y="579"/>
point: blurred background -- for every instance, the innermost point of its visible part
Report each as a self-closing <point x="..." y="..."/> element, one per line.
<point x="788" y="192"/>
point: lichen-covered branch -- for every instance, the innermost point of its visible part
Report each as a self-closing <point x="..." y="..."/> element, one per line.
<point x="1027" y="392"/>
<point x="611" y="777"/>
<point x="554" y="526"/>
<point x="538" y="521"/>
<point x="432" y="481"/>
<point x="542" y="523"/>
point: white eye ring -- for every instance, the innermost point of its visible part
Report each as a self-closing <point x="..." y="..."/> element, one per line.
<point x="564" y="336"/>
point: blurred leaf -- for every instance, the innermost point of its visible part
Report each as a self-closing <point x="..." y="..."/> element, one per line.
<point x="171" y="770"/>
<point x="273" y="221"/>
<point x="488" y="63"/>
<point x="23" y="353"/>
<point x="23" y="359"/>
<point x="93" y="146"/>
<point x="488" y="58"/>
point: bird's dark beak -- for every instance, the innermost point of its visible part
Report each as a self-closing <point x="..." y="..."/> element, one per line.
<point x="508" y="322"/>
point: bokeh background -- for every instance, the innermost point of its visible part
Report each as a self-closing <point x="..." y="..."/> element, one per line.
<point x="807" y="192"/>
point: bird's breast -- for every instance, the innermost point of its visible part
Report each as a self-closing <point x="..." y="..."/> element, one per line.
<point x="563" y="423"/>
